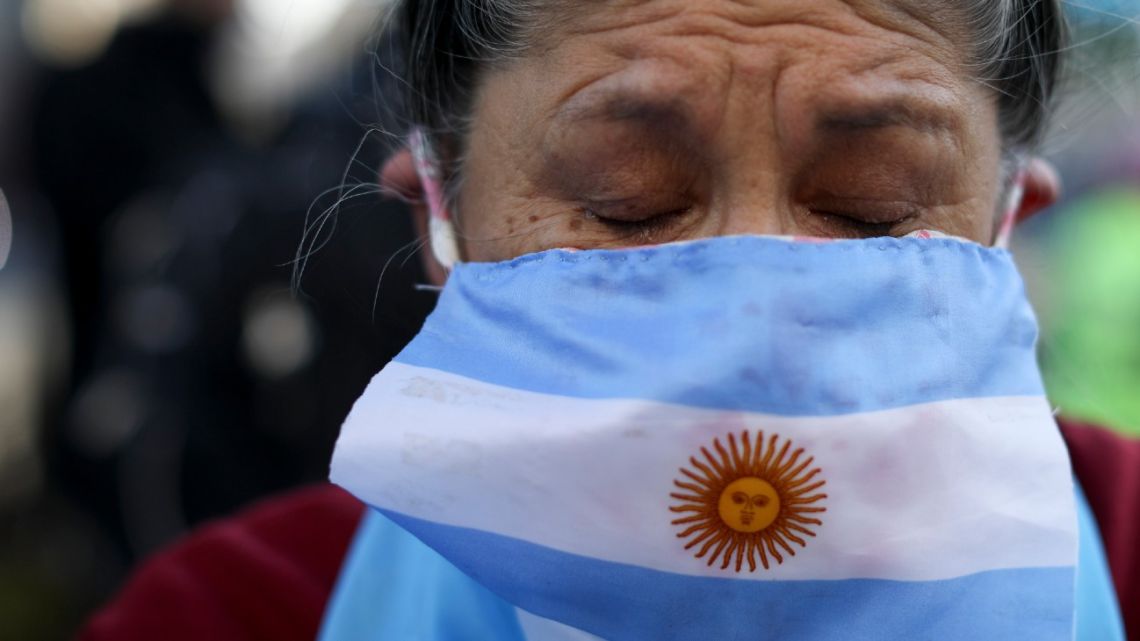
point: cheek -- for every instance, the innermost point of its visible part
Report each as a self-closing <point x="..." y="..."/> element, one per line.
<point x="494" y="205"/>
<point x="985" y="176"/>
<point x="500" y="209"/>
<point x="979" y="220"/>
<point x="500" y="226"/>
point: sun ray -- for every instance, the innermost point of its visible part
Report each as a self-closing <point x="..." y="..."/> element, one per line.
<point x="786" y="533"/>
<point x="720" y="472"/>
<point x="811" y="488"/>
<point x="763" y="554"/>
<point x="771" y="471"/>
<point x="805" y="501"/>
<point x="699" y="526"/>
<point x="783" y="469"/>
<point x="772" y="550"/>
<point x="802" y="466"/>
<point x="708" y="484"/>
<point x="715" y="546"/>
<point x="690" y="487"/>
<point x="734" y="452"/>
<point x="804" y="479"/>
<point x="805" y="488"/>
<point x="802" y="530"/>
<point x="709" y="474"/>
<point x="721" y="536"/>
<point x="805" y="520"/>
<point x="686" y="497"/>
<point x="724" y="459"/>
<point x="697" y="541"/>
<point x="692" y="519"/>
<point x="747" y="446"/>
<point x="750" y="498"/>
<point x="779" y="539"/>
<point x="757" y="453"/>
<point x="728" y="552"/>
<point x="768" y="455"/>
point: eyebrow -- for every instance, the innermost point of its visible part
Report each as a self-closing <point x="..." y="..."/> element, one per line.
<point x="870" y="115"/>
<point x="633" y="106"/>
<point x="890" y="113"/>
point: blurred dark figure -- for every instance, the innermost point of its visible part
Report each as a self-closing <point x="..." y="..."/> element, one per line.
<point x="200" y="381"/>
<point x="136" y="119"/>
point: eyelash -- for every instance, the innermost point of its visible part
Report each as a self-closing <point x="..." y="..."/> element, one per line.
<point x="662" y="221"/>
<point x="653" y="223"/>
<point x="863" y="227"/>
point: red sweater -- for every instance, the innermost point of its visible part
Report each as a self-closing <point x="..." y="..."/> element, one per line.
<point x="268" y="572"/>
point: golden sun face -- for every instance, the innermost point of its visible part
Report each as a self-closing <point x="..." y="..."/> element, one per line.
<point x="749" y="500"/>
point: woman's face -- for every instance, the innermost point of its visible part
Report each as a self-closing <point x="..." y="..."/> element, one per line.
<point x="661" y="120"/>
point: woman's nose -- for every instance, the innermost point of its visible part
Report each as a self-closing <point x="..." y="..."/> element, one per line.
<point x="750" y="184"/>
<point x="753" y="209"/>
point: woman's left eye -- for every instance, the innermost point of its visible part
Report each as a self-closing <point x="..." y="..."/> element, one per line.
<point x="864" y="217"/>
<point x="860" y="225"/>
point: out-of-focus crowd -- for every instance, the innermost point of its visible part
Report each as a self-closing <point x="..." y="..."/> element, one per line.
<point x="204" y="278"/>
<point x="167" y="164"/>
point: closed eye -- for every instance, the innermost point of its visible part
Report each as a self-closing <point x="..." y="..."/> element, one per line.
<point x="650" y="221"/>
<point x="640" y="227"/>
<point x="860" y="225"/>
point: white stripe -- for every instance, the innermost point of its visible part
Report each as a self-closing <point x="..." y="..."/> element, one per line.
<point x="536" y="628"/>
<point x="919" y="493"/>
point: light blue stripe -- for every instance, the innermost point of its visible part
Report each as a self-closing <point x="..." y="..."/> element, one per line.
<point x="626" y="603"/>
<point x="392" y="587"/>
<point x="811" y="329"/>
<point x="1098" y="611"/>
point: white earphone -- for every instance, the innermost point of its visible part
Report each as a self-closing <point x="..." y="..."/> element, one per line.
<point x="1012" y="207"/>
<point x="441" y="228"/>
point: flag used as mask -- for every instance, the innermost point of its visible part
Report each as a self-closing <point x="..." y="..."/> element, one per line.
<point x="733" y="438"/>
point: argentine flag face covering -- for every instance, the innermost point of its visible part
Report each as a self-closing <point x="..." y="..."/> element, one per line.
<point x="734" y="438"/>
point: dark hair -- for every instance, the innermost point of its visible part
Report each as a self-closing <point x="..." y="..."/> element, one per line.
<point x="439" y="47"/>
<point x="1021" y="59"/>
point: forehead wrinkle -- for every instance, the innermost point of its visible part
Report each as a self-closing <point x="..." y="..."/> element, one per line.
<point x="932" y="23"/>
<point x="850" y="110"/>
<point x="932" y="13"/>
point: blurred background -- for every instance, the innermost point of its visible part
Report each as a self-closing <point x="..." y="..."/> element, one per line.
<point x="162" y="362"/>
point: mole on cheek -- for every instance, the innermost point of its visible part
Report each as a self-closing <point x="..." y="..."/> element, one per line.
<point x="575" y="225"/>
<point x="533" y="218"/>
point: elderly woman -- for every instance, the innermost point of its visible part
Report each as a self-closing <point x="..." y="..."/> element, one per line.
<point x="727" y="346"/>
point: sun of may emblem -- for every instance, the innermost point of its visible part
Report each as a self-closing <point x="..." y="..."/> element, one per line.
<point x="748" y="500"/>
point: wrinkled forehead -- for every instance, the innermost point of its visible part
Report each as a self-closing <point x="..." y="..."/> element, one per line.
<point x="944" y="17"/>
<point x="918" y="9"/>
<point x="855" y="51"/>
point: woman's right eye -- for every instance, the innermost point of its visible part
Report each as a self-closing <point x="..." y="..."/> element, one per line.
<point x="639" y="220"/>
<point x="647" y="224"/>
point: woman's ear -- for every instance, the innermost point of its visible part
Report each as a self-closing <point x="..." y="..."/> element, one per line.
<point x="1042" y="188"/>
<point x="399" y="180"/>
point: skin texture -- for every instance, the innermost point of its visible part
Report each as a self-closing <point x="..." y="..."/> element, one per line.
<point x="631" y="123"/>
